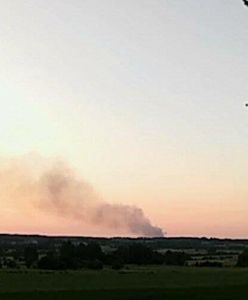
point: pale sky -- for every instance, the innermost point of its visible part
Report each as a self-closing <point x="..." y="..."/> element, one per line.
<point x="145" y="99"/>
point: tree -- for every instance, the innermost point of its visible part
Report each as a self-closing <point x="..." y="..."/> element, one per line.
<point x="95" y="264"/>
<point x="175" y="258"/>
<point x="67" y="256"/>
<point x="11" y="263"/>
<point x="135" y="253"/>
<point x="30" y="255"/>
<point x="243" y="259"/>
<point x="81" y="251"/>
<point x="93" y="251"/>
<point x="50" y="261"/>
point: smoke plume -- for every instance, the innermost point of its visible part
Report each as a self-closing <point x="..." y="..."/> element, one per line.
<point x="56" y="190"/>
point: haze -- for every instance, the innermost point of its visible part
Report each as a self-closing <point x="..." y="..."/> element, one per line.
<point x="144" y="99"/>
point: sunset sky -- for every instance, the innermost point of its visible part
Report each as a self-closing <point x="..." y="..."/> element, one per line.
<point x="144" y="99"/>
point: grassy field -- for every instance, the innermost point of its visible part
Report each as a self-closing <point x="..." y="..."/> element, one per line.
<point x="135" y="283"/>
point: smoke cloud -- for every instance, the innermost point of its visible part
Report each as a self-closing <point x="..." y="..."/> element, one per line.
<point x="57" y="190"/>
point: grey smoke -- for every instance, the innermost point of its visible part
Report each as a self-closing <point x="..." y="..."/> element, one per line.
<point x="58" y="191"/>
<point x="132" y="217"/>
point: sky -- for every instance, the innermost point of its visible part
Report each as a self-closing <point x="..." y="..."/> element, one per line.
<point x="144" y="99"/>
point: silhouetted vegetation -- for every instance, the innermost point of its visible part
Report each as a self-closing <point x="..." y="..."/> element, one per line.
<point x="73" y="257"/>
<point x="49" y="262"/>
<point x="175" y="258"/>
<point x="91" y="256"/>
<point x="74" y="253"/>
<point x="243" y="259"/>
<point x="30" y="255"/>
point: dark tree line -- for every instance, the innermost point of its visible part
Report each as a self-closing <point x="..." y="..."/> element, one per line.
<point x="243" y="259"/>
<point x="70" y="256"/>
<point x="90" y="255"/>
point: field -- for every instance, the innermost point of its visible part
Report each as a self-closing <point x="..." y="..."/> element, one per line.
<point x="135" y="283"/>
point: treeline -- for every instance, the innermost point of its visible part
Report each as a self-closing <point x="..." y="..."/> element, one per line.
<point x="91" y="256"/>
<point x="177" y="243"/>
<point x="70" y="256"/>
<point x="243" y="259"/>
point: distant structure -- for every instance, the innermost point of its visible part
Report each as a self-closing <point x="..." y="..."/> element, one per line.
<point x="245" y="2"/>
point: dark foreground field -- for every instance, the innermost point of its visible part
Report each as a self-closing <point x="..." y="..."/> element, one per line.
<point x="135" y="283"/>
